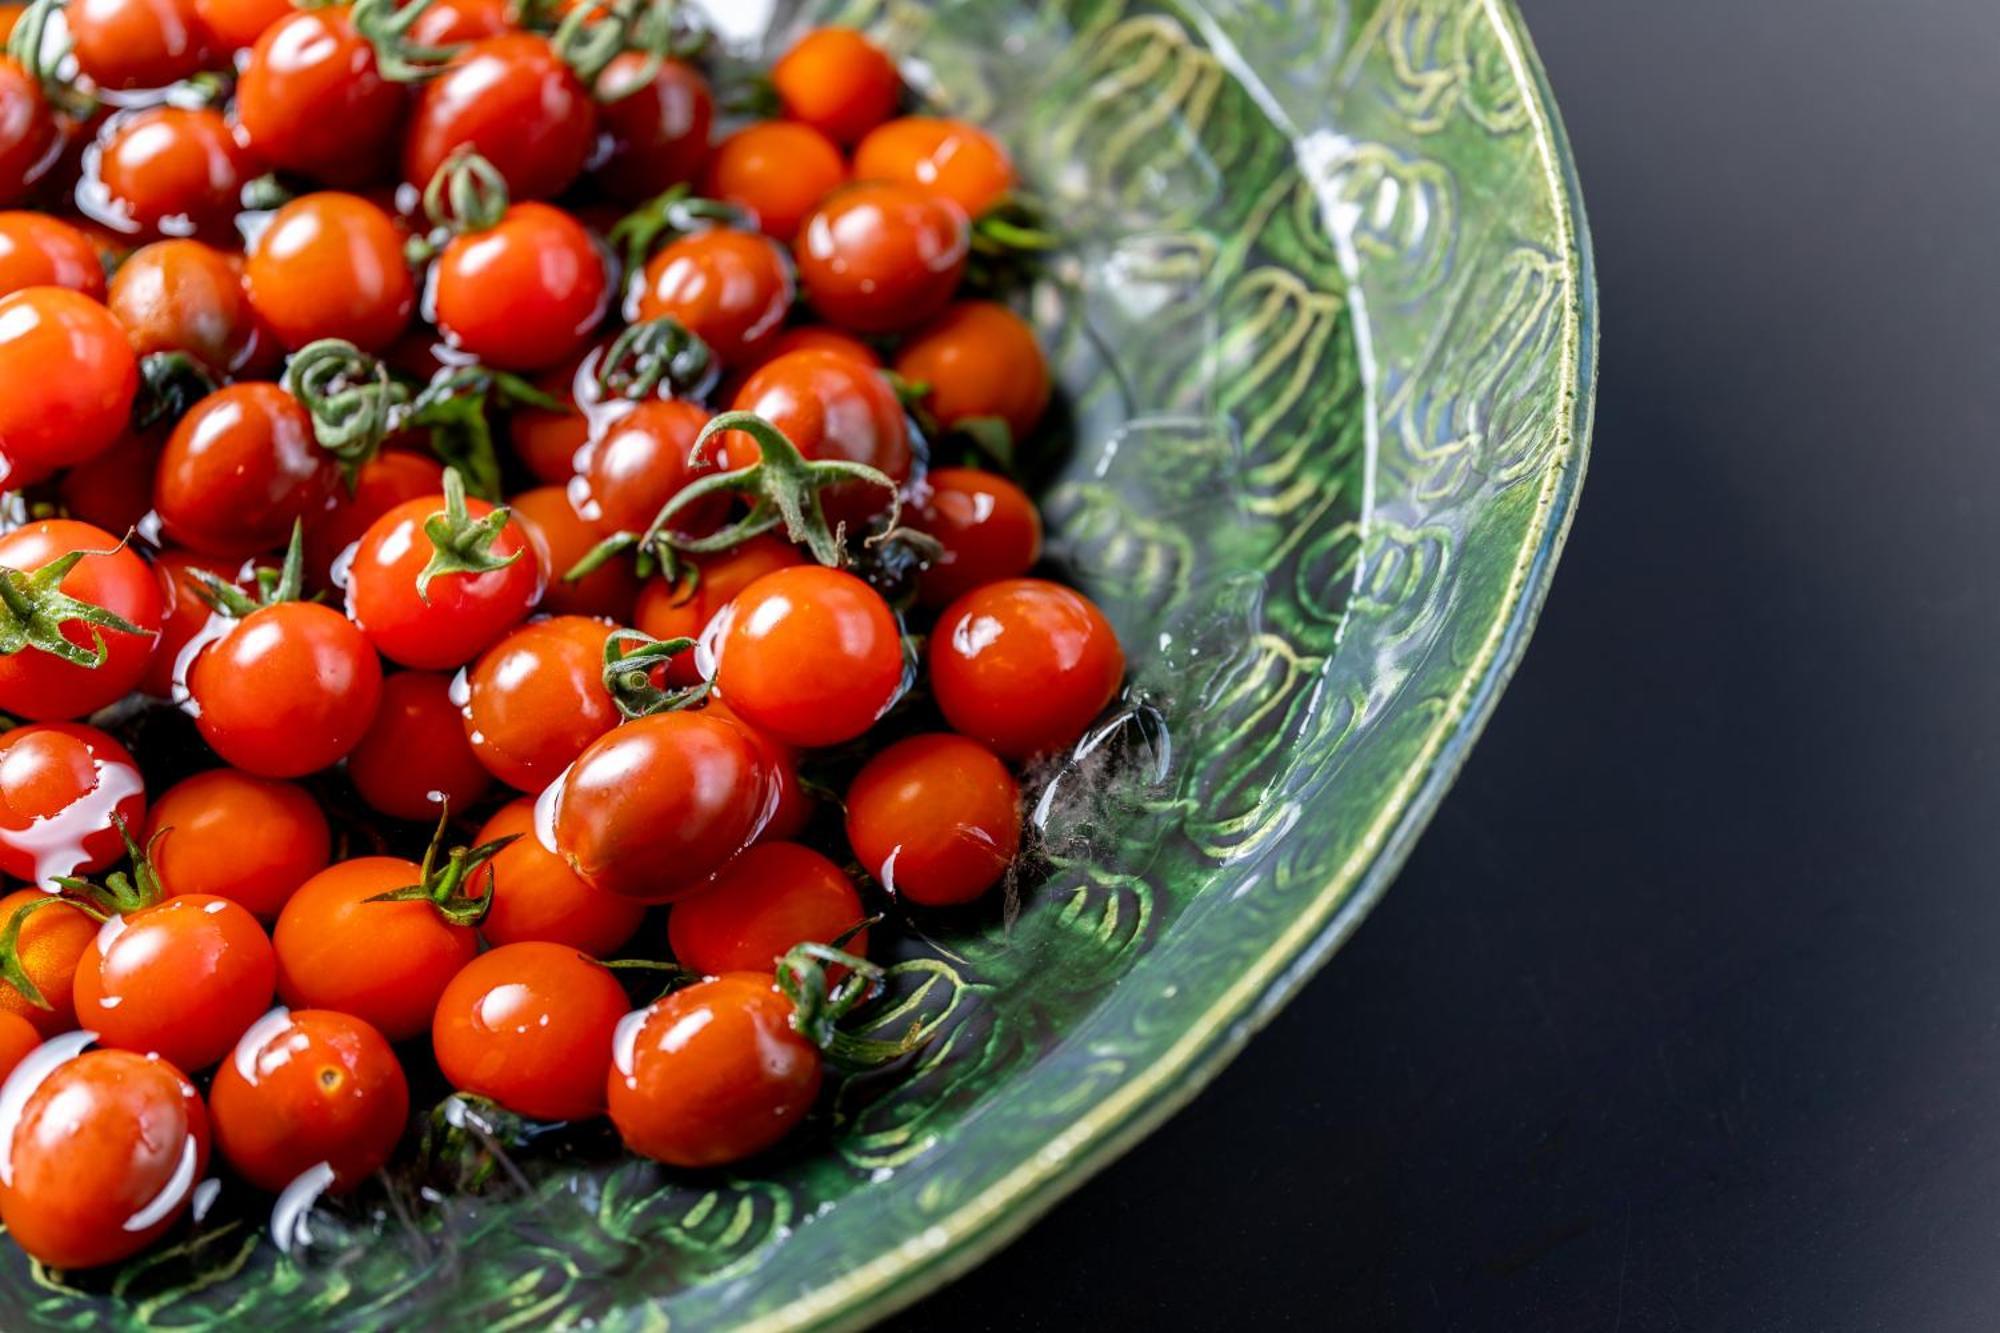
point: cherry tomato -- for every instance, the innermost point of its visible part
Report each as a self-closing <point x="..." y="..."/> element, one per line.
<point x="51" y="943"/>
<point x="536" y="700"/>
<point x="137" y="43"/>
<point x="288" y="690"/>
<point x="234" y="835"/>
<point x="383" y="482"/>
<point x="42" y="686"/>
<point x="792" y="809"/>
<point x="37" y="250"/>
<point x="174" y="170"/>
<point x="979" y="359"/>
<point x="306" y="1087"/>
<point x="114" y="490"/>
<point x="530" y="1026"/>
<point x="779" y="170"/>
<point x="384" y="963"/>
<point x="658" y="133"/>
<point x="819" y="338"/>
<point x="455" y="22"/>
<point x="829" y="405"/>
<point x="829" y="619"/>
<point x="641" y="458"/>
<point x="183" y="296"/>
<point x="962" y="162"/>
<point x="987" y="525"/>
<point x="935" y="818"/>
<point x="651" y="809"/>
<point x="311" y="99"/>
<point x="562" y="537"/>
<point x="180" y="979"/>
<point x="772" y="897"/>
<point x="538" y="897"/>
<point x="183" y="616"/>
<point x="461" y="614"/>
<point x="547" y="442"/>
<point x="30" y="140"/>
<point x="524" y="294"/>
<point x="62" y="787"/>
<point x="67" y="381"/>
<point x="712" y="1074"/>
<point x="513" y="100"/>
<point x="240" y="470"/>
<point x="1024" y="665"/>
<point x="671" y="609"/>
<point x="838" y="82"/>
<point x="331" y="266"/>
<point x="17" y="1038"/>
<point x="415" y="760"/>
<point x="731" y="289"/>
<point x="880" y="257"/>
<point x="235" y="25"/>
<point x="104" y="1153"/>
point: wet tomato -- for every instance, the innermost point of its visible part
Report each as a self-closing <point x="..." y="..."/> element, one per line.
<point x="537" y="699"/>
<point x="935" y="818"/>
<point x="792" y="808"/>
<point x="234" y="835"/>
<point x="183" y="296"/>
<point x="731" y="289"/>
<point x="67" y="381"/>
<point x="838" y="82"/>
<point x="306" y="1089"/>
<point x="987" y="525"/>
<point x="1024" y="665"/>
<point x="979" y="359"/>
<point x="562" y="537"/>
<point x="183" y="615"/>
<point x="673" y="609"/>
<point x="658" y="132"/>
<point x="829" y="405"/>
<point x="63" y="787"/>
<point x="37" y="250"/>
<point x="810" y="656"/>
<point x="536" y="896"/>
<point x="38" y="684"/>
<point x="331" y="266"/>
<point x="173" y="170"/>
<point x="524" y="294"/>
<point x="235" y="25"/>
<point x="383" y="482"/>
<point x="458" y="614"/>
<point x="530" y="1026"/>
<point x="30" y="139"/>
<point x="311" y="99"/>
<point x="772" y="897"/>
<point x="180" y="979"/>
<point x="780" y="170"/>
<point x="137" y="43"/>
<point x="960" y="161"/>
<point x="288" y="690"/>
<point x="880" y="257"/>
<point x="415" y="761"/>
<point x="239" y="471"/>
<point x="512" y="99"/>
<point x="642" y="457"/>
<point x="51" y="942"/>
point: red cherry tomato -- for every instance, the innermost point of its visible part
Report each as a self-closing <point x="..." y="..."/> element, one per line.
<point x="962" y="162"/>
<point x="731" y="289"/>
<point x="772" y="897"/>
<point x="882" y="258"/>
<point x="50" y="945"/>
<point x="779" y="170"/>
<point x="838" y="82"/>
<point x="979" y="359"/>
<point x="236" y="25"/>
<point x="42" y="686"/>
<point x="114" y="491"/>
<point x="641" y="458"/>
<point x="650" y="810"/>
<point x="824" y="617"/>
<point x="37" y="250"/>
<point x="311" y="99"/>
<point x="537" y="699"/>
<point x="30" y="140"/>
<point x="1024" y="665"/>
<point x="460" y="614"/>
<point x="547" y="442"/>
<point x="183" y="296"/>
<point x="63" y="786"/>
<point x="538" y="897"/>
<point x="173" y="169"/>
<point x="331" y="266"/>
<point x="415" y="761"/>
<point x="935" y="818"/>
<point x="183" y="616"/>
<point x="524" y="294"/>
<point x="658" y="133"/>
<point x="239" y="471"/>
<point x="308" y="1087"/>
<point x="288" y="690"/>
<point x="180" y="979"/>
<point x="67" y="381"/>
<point x="237" y="836"/>
<point x="102" y="1159"/>
<point x="672" y="609"/>
<point x="517" y="104"/>
<point x="562" y="537"/>
<point x="819" y="338"/>
<point x="137" y="43"/>
<point x="712" y="1074"/>
<point x="530" y="1026"/>
<point x="455" y="22"/>
<point x="793" y="808"/>
<point x="829" y="405"/>
<point x="987" y="525"/>
<point x="383" y="482"/>
<point x="17" y="1038"/>
<point x="384" y="963"/>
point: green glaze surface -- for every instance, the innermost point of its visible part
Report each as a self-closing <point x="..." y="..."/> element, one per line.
<point x="1327" y="336"/>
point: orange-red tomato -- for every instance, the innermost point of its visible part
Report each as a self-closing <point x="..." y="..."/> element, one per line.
<point x="671" y="609"/>
<point x="988" y="527"/>
<point x="639" y="459"/>
<point x="537" y="699"/>
<point x="561" y="538"/>
<point x="67" y="381"/>
<point x="43" y="687"/>
<point x="30" y="139"/>
<point x="523" y="294"/>
<point x="792" y="809"/>
<point x="51" y="943"/>
<point x="455" y="22"/>
<point x="658" y="134"/>
<point x="530" y="1026"/>
<point x="731" y="289"/>
<point x="809" y="614"/>
<point x="778" y="169"/>
<point x="331" y="266"/>
<point x="512" y="99"/>
<point x="838" y="82"/>
<point x="307" y="1087"/>
<point x="173" y="169"/>
<point x="183" y="614"/>
<point x="461" y="613"/>
<point x="17" y="1038"/>
<point x="958" y="160"/>
<point x="310" y="98"/>
<point x="114" y="491"/>
<point x="383" y="482"/>
<point x="829" y="405"/>
<point x="1024" y="665"/>
<point x="757" y="907"/>
<point x="183" y="296"/>
<point x="137" y="43"/>
<point x="415" y="762"/>
<point x="288" y="690"/>
<point x="63" y="787"/>
<point x="979" y="359"/>
<point x="819" y="338"/>
<point x="237" y="24"/>
<point x="238" y="836"/>
<point x="37" y="250"/>
<point x="547" y="442"/>
<point x="536" y="896"/>
<point x="881" y="257"/>
<point x="936" y="818"/>
<point x="239" y="470"/>
<point x="180" y="979"/>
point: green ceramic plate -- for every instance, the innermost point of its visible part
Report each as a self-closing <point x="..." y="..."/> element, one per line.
<point x="1327" y="335"/>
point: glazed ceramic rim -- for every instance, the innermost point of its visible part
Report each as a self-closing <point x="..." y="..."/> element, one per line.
<point x="1002" y="1211"/>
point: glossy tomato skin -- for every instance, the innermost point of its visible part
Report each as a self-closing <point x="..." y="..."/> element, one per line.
<point x="936" y="818"/>
<point x="833" y="623"/>
<point x="642" y="457"/>
<point x="234" y="835"/>
<point x="658" y="134"/>
<point x="289" y="690"/>
<point x="42" y="687"/>
<point x="30" y="139"/>
<point x="757" y="907"/>
<point x="778" y="169"/>
<point x="137" y="43"/>
<point x="712" y="1074"/>
<point x="561" y="538"/>
<point x="454" y="22"/>
<point x="731" y="289"/>
<point x="651" y="809"/>
<point x="239" y="470"/>
<point x="37" y="250"/>
<point x="792" y="809"/>
<point x="957" y="160"/>
<point x="524" y="294"/>
<point x="103" y="1160"/>
<point x="536" y="700"/>
<point x="235" y="25"/>
<point x="990" y="530"/>
<point x="331" y="265"/>
<point x="464" y="613"/>
<point x="184" y="296"/>
<point x="512" y="99"/>
<point x="879" y="257"/>
<point x="1024" y="666"/>
<point x="17" y="1038"/>
<point x="838" y="82"/>
<point x="180" y="979"/>
<point x="415" y="760"/>
<point x="50" y="945"/>
<point x="539" y="898"/>
<point x="547" y="442"/>
<point x="307" y="1086"/>
<point x="169" y="168"/>
<point x="530" y="1026"/>
<point x="63" y="786"/>
<point x="384" y="963"/>
<point x="670" y="609"/>
<point x="67" y="381"/>
<point x="183" y="616"/>
<point x="311" y="99"/>
<point x="829" y="405"/>
<point x="980" y="359"/>
<point x="392" y="477"/>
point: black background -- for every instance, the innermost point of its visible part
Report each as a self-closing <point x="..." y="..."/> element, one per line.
<point x="1686" y="1012"/>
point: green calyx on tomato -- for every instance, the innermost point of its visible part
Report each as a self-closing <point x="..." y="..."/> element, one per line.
<point x="461" y="544"/>
<point x="287" y="583"/>
<point x="597" y="32"/>
<point x="656" y="353"/>
<point x="467" y="194"/>
<point x="386" y="26"/>
<point x="120" y="893"/>
<point x="350" y="396"/>
<point x="446" y="886"/>
<point x="27" y="47"/>
<point x="34" y="608"/>
<point x="820" y="1004"/>
<point x="629" y="674"/>
<point x="669" y="216"/>
<point x="169" y="384"/>
<point x="452" y="407"/>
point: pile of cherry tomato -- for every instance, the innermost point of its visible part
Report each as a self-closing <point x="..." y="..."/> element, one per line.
<point x="484" y="415"/>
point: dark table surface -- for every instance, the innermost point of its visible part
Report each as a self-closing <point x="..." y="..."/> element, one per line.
<point x="1686" y="1012"/>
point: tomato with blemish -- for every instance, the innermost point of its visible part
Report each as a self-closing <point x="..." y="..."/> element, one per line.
<point x="184" y="296"/>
